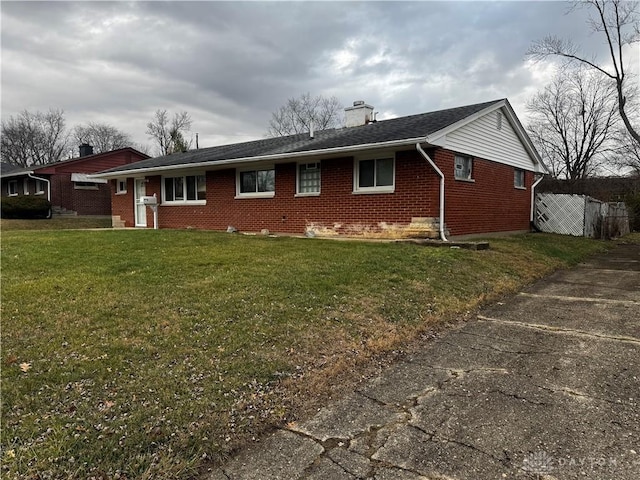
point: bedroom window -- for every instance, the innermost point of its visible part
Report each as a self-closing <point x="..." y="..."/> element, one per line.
<point x="518" y="178"/>
<point x="463" y="168"/>
<point x="186" y="189"/>
<point x="40" y="186"/>
<point x="256" y="183"/>
<point x="375" y="175"/>
<point x="309" y="178"/>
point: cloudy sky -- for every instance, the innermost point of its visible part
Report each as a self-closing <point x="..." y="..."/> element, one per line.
<point x="230" y="64"/>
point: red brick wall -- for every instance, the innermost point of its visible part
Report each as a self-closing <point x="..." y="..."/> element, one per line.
<point x="490" y="204"/>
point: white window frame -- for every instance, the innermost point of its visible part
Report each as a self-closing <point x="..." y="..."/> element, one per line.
<point x="299" y="180"/>
<point x="464" y="159"/>
<point x="12" y="192"/>
<point x="519" y="185"/>
<point x="121" y="186"/>
<point x="40" y="186"/>
<point x="25" y="186"/>
<point x="184" y="180"/>
<point x="357" y="189"/>
<point x="240" y="171"/>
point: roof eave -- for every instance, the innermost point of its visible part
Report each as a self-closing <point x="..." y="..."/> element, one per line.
<point x="261" y="158"/>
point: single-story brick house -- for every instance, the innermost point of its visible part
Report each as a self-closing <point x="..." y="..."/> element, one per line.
<point x="66" y="184"/>
<point x="473" y="167"/>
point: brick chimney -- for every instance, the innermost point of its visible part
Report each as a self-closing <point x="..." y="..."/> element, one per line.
<point x="86" y="149"/>
<point x="359" y="114"/>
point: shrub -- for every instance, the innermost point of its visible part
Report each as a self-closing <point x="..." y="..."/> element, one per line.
<point x="632" y="201"/>
<point x="25" y="207"/>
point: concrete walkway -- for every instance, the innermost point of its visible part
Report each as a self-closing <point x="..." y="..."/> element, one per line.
<point x="545" y="385"/>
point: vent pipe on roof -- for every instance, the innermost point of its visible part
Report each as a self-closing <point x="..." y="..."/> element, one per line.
<point x="311" y="132"/>
<point x="197" y="141"/>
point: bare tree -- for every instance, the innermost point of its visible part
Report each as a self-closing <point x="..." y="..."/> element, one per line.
<point x="618" y="21"/>
<point x="34" y="138"/>
<point x="298" y="115"/>
<point x="169" y="134"/>
<point x="572" y="122"/>
<point x="102" y="136"/>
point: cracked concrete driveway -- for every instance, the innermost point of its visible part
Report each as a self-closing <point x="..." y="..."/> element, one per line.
<point x="545" y="385"/>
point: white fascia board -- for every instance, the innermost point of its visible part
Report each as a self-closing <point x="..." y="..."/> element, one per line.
<point x="262" y="158"/>
<point x="20" y="173"/>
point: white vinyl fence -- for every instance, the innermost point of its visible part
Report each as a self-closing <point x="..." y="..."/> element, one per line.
<point x="580" y="215"/>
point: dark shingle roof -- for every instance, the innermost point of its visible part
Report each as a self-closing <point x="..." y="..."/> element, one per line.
<point x="9" y="170"/>
<point x="396" y="129"/>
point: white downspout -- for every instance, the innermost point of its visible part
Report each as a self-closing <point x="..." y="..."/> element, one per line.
<point x="533" y="197"/>
<point x="43" y="180"/>
<point x="441" y="175"/>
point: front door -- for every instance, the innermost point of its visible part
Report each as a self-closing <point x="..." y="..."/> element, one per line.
<point x="140" y="208"/>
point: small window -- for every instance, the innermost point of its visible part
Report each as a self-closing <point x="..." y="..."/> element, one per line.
<point x="375" y="175"/>
<point x="25" y="186"/>
<point x="464" y="168"/>
<point x="309" y="178"/>
<point x="256" y="183"/>
<point x="12" y="188"/>
<point x="40" y="186"/>
<point x="121" y="186"/>
<point x="187" y="189"/>
<point x="518" y="178"/>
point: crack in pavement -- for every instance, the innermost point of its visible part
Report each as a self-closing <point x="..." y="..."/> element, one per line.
<point x="563" y="330"/>
<point x="581" y="299"/>
<point x="517" y="397"/>
<point x="576" y="393"/>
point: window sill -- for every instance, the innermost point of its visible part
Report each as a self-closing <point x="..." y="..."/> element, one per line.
<point x="12" y="195"/>
<point x="373" y="190"/>
<point x="183" y="203"/>
<point x="520" y="188"/>
<point x="121" y="193"/>
<point x="242" y="196"/>
<point x="467" y="180"/>
<point x="310" y="194"/>
<point x="39" y="193"/>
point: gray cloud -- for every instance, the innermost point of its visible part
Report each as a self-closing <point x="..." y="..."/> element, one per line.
<point x="230" y="64"/>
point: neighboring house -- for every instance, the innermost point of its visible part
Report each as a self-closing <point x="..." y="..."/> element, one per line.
<point x="385" y="178"/>
<point x="66" y="184"/>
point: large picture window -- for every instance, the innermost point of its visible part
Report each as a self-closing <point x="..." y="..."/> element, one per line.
<point x="256" y="183"/>
<point x="189" y="188"/>
<point x="375" y="175"/>
<point x="309" y="178"/>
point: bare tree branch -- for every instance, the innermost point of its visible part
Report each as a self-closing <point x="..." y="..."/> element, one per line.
<point x="34" y="138"/>
<point x="169" y="135"/>
<point x="572" y="121"/>
<point x="297" y="115"/>
<point x="619" y="21"/>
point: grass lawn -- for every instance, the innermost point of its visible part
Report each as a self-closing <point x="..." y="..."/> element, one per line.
<point x="151" y="354"/>
<point x="56" y="223"/>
